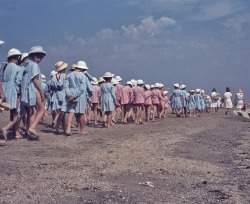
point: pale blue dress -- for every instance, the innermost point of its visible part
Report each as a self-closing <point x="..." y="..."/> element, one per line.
<point x="198" y="98"/>
<point x="58" y="86"/>
<point x="202" y="103"/>
<point x="48" y="93"/>
<point x="12" y="77"/>
<point x="176" y="98"/>
<point x="28" y="93"/>
<point x="184" y="98"/>
<point x="107" y="97"/>
<point x="191" y="103"/>
<point x="79" y="86"/>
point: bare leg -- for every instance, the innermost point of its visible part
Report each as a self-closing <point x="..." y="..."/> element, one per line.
<point x="39" y="114"/>
<point x="69" y="122"/>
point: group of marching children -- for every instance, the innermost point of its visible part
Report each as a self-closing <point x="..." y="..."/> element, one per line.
<point x="79" y="95"/>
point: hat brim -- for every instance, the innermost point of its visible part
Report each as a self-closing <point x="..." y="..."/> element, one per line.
<point x="64" y="66"/>
<point x="37" y="52"/>
<point x="108" y="76"/>
<point x="79" y="67"/>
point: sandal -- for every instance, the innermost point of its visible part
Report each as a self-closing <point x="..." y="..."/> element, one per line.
<point x="33" y="137"/>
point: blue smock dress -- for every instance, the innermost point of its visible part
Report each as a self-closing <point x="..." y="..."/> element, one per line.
<point x="176" y="98"/>
<point x="107" y="97"/>
<point x="58" y="82"/>
<point x="78" y="86"/>
<point x="184" y="98"/>
<point x="12" y="77"/>
<point x="191" y="103"/>
<point x="197" y="98"/>
<point x="28" y="93"/>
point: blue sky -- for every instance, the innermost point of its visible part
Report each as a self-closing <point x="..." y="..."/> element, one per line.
<point x="203" y="44"/>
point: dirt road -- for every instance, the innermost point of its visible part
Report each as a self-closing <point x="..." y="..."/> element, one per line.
<point x="198" y="160"/>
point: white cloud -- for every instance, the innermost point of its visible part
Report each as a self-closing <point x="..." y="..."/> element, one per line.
<point x="148" y="26"/>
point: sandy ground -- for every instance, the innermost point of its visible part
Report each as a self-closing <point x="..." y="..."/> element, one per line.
<point x="191" y="160"/>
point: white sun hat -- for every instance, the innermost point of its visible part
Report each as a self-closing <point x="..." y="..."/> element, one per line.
<point x="176" y="85"/>
<point x="192" y="91"/>
<point x="13" y="52"/>
<point x="81" y="65"/>
<point x="129" y="83"/>
<point x="197" y="90"/>
<point x="147" y="86"/>
<point x="118" y="78"/>
<point x="152" y="86"/>
<point x="52" y="73"/>
<point x="157" y="85"/>
<point x="165" y="92"/>
<point x="108" y="75"/>
<point x="60" y="65"/>
<point x="24" y="55"/>
<point x="114" y="81"/>
<point x="161" y="85"/>
<point x="140" y="81"/>
<point x="134" y="83"/>
<point x="182" y="86"/>
<point x="1" y="42"/>
<point x="37" y="49"/>
<point x="202" y="91"/>
<point x="94" y="81"/>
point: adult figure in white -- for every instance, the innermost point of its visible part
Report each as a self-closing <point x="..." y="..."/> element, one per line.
<point x="239" y="99"/>
<point x="215" y="96"/>
<point x="227" y="100"/>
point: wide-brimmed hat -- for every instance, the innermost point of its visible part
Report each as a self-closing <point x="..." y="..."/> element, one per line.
<point x="240" y="91"/>
<point x="147" y="86"/>
<point x="176" y="85"/>
<point x="24" y="55"/>
<point x="1" y="42"/>
<point x="161" y="85"/>
<point x="108" y="75"/>
<point x="202" y="91"/>
<point x="192" y="91"/>
<point x="101" y="79"/>
<point x="114" y="81"/>
<point x="37" y="49"/>
<point x="129" y="83"/>
<point x="81" y="65"/>
<point x="165" y="92"/>
<point x="140" y="81"/>
<point x="152" y="86"/>
<point x="94" y="81"/>
<point x="13" y="52"/>
<point x="118" y="78"/>
<point x="157" y="85"/>
<point x="52" y="73"/>
<point x="60" y="65"/>
<point x="197" y="90"/>
<point x="182" y="86"/>
<point x="73" y="67"/>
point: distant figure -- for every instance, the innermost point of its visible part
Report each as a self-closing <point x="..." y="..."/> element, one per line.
<point x="227" y="100"/>
<point x="215" y="96"/>
<point x="239" y="99"/>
